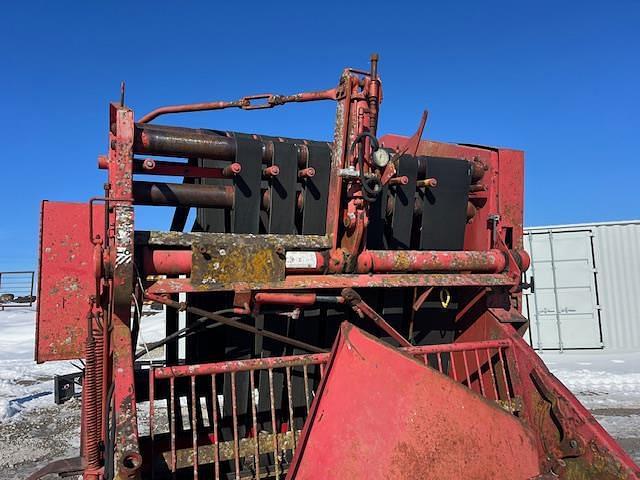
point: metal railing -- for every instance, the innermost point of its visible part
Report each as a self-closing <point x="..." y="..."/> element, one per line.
<point x="16" y="289"/>
<point x="242" y="419"/>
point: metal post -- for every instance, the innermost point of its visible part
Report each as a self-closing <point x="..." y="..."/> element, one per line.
<point x="537" y="314"/>
<point x="555" y="291"/>
<point x="31" y="290"/>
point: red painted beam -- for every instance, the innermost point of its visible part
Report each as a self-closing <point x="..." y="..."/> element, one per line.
<point x="381" y="261"/>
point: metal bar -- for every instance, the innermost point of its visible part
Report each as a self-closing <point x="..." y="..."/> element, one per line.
<point x="178" y="371"/>
<point x="183" y="142"/>
<point x="273" y="424"/>
<point x="186" y="239"/>
<point x="352" y="297"/>
<point x="245" y="103"/>
<point x="234" y="419"/>
<point x="152" y="422"/>
<point x="466" y="368"/>
<point x="182" y="194"/>
<point x="479" y="370"/>
<point x="216" y="439"/>
<point x="454" y="374"/>
<point x="296" y="282"/>
<point x="187" y="170"/>
<point x="194" y="426"/>
<point x="247" y="447"/>
<point x="504" y="373"/>
<point x="166" y="262"/>
<point x="555" y="292"/>
<point x="172" y="414"/>
<point x="493" y="377"/>
<point x="305" y="376"/>
<point x="181" y="214"/>
<point x="380" y="261"/>
<point x="290" y="398"/>
<point x="254" y="419"/>
<point x="238" y="325"/>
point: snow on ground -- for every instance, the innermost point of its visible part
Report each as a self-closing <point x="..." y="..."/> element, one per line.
<point x="599" y="379"/>
<point x="25" y="385"/>
<point x="34" y="431"/>
<point x="608" y="384"/>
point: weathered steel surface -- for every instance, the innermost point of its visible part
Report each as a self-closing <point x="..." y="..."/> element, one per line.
<point x="574" y="445"/>
<point x="66" y="281"/>
<point x="180" y="239"/>
<point x="303" y="282"/>
<point x="492" y="261"/>
<point x="121" y="250"/>
<point x="439" y="430"/>
<point x="238" y="261"/>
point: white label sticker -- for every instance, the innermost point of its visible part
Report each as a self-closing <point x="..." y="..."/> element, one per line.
<point x="301" y="260"/>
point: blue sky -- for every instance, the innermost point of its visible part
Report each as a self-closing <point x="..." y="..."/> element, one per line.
<point x="559" y="80"/>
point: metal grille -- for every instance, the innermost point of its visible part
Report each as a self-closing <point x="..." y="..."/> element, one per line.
<point x="193" y="432"/>
<point x="16" y="289"/>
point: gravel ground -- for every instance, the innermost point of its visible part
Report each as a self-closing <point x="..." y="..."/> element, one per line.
<point x="33" y="439"/>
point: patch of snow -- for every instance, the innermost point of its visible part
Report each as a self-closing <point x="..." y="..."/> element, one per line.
<point x="625" y="426"/>
<point x="599" y="379"/>
<point x="25" y="385"/>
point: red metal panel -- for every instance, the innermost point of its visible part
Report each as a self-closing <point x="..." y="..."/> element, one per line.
<point x="66" y="279"/>
<point x="401" y="420"/>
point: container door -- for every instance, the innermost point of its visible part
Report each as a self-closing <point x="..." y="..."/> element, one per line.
<point x="563" y="311"/>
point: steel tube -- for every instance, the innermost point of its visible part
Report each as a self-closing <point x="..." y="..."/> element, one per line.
<point x="182" y="142"/>
<point x="166" y="262"/>
<point x="182" y="195"/>
<point x="220" y="368"/>
<point x="380" y="261"/>
<point x="297" y="299"/>
<point x="176" y="262"/>
<point x="198" y="143"/>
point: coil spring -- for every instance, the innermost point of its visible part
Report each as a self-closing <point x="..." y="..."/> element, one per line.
<point x="90" y="406"/>
<point x="93" y="398"/>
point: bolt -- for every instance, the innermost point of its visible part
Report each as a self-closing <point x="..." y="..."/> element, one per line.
<point x="271" y="171"/>
<point x="307" y="172"/>
<point x="427" y="182"/>
<point x="148" y="164"/>
<point x="402" y="180"/>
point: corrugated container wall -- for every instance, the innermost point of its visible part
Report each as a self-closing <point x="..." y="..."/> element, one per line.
<point x="587" y="286"/>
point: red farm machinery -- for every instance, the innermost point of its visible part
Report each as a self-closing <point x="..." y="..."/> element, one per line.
<point x="341" y="309"/>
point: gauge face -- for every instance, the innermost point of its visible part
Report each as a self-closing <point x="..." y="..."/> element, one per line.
<point x="381" y="157"/>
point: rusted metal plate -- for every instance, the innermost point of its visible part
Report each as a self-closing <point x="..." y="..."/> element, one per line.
<point x="66" y="279"/>
<point x="237" y="260"/>
<point x="401" y="420"/>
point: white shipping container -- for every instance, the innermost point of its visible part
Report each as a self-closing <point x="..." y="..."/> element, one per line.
<point x="587" y="286"/>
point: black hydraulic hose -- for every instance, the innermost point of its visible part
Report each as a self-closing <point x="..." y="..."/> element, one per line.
<point x="371" y="186"/>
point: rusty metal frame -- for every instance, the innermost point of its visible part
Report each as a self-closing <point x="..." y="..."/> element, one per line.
<point x="488" y="355"/>
<point x="175" y="454"/>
